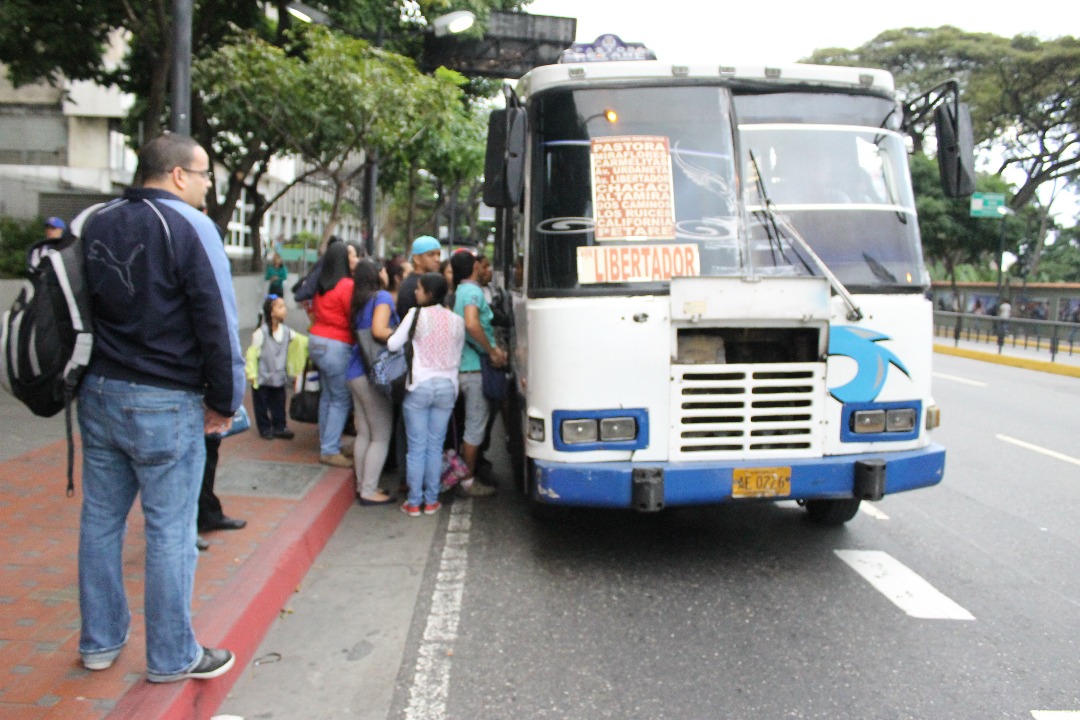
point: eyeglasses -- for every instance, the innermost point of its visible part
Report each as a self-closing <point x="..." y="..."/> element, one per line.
<point x="204" y="173"/>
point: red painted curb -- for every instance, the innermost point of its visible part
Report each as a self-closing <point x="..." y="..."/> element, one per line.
<point x="240" y="615"/>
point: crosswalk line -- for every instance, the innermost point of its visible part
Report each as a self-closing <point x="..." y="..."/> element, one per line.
<point x="902" y="586"/>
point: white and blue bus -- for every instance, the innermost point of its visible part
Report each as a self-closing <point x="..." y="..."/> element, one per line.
<point x="723" y="294"/>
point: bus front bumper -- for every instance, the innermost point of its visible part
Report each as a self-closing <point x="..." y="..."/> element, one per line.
<point x="611" y="484"/>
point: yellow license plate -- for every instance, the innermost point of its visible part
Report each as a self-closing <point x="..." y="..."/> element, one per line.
<point x="761" y="482"/>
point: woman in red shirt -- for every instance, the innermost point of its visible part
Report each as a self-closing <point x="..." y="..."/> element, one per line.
<point x="330" y="347"/>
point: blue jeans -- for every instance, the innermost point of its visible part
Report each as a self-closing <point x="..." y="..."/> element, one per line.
<point x="143" y="440"/>
<point x="335" y="400"/>
<point x="427" y="411"/>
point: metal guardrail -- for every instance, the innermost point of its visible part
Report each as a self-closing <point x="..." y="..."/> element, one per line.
<point x="1053" y="336"/>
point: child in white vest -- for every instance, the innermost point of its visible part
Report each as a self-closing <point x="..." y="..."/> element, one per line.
<point x="275" y="350"/>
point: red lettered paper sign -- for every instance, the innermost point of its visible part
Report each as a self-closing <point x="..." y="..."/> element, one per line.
<point x="632" y="190"/>
<point x="636" y="263"/>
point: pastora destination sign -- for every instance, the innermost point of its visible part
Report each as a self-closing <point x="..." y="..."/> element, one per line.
<point x="632" y="190"/>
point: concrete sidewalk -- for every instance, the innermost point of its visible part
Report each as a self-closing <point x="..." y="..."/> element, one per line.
<point x="292" y="505"/>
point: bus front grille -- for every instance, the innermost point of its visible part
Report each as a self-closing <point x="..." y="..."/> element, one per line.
<point x="752" y="411"/>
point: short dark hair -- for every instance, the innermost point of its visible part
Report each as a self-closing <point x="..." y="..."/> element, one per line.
<point x="435" y="285"/>
<point x="158" y="157"/>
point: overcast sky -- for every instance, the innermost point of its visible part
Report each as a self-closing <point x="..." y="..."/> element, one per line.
<point x="759" y="31"/>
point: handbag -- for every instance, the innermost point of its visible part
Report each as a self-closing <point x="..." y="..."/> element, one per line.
<point x="304" y="405"/>
<point x="368" y="347"/>
<point x="493" y="379"/>
<point x="240" y="423"/>
<point x="392" y="370"/>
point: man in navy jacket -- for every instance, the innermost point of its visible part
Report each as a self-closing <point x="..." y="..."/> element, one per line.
<point x="166" y="369"/>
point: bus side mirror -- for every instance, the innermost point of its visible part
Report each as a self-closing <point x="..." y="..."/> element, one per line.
<point x="956" y="149"/>
<point x="504" y="165"/>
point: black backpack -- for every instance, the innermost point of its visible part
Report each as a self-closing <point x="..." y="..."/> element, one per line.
<point x="47" y="337"/>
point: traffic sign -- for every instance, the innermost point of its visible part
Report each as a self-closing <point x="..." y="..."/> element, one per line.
<point x="987" y="204"/>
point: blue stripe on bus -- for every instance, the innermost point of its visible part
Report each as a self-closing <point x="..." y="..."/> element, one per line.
<point x="608" y="484"/>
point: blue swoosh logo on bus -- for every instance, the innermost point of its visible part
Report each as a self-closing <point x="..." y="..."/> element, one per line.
<point x="873" y="360"/>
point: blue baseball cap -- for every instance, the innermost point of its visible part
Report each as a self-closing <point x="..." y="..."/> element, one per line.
<point x="55" y="222"/>
<point x="425" y="243"/>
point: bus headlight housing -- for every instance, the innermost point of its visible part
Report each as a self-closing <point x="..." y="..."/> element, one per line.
<point x="873" y="422"/>
<point x="581" y="430"/>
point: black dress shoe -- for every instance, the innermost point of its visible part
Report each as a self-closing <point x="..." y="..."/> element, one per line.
<point x="266" y="436"/>
<point x="222" y="523"/>
<point x="285" y="434"/>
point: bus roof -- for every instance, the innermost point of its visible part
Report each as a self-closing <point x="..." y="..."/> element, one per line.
<point x="584" y="74"/>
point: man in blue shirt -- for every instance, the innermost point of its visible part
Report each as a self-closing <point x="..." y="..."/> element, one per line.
<point x="166" y="369"/>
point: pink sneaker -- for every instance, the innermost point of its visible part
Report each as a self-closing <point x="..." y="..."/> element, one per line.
<point x="411" y="510"/>
<point x="432" y="508"/>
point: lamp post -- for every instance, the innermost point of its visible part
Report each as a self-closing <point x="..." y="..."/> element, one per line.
<point x="1004" y="212"/>
<point x="180" y="117"/>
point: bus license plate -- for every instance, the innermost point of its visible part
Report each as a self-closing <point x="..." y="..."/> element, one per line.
<point x="761" y="482"/>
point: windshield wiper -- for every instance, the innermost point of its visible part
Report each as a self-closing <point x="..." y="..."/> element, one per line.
<point x="880" y="271"/>
<point x="778" y="221"/>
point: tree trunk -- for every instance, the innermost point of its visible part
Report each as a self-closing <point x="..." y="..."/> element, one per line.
<point x="410" y="211"/>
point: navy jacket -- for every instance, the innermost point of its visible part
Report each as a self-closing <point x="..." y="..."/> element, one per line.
<point x="164" y="311"/>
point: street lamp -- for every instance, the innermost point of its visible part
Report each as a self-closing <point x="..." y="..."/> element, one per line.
<point x="453" y="23"/>
<point x="307" y="14"/>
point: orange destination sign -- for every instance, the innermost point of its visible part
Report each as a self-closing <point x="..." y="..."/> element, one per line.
<point x="632" y="189"/>
<point x="636" y="263"/>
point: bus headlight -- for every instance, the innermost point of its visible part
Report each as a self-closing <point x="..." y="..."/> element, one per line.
<point x="900" y="420"/>
<point x="616" y="429"/>
<point x="579" y="431"/>
<point x="868" y="421"/>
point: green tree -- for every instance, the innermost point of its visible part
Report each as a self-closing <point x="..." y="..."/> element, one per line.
<point x="39" y="42"/>
<point x="1061" y="261"/>
<point x="1024" y="92"/>
<point x="1024" y="95"/>
<point x="333" y="100"/>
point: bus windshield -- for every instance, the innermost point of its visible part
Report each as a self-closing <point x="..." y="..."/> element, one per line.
<point x="844" y="186"/>
<point x="632" y="186"/>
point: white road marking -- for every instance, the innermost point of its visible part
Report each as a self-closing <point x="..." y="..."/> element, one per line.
<point x="902" y="586"/>
<point x="431" y="681"/>
<point x="1056" y="714"/>
<point x="958" y="379"/>
<point x="1036" y="448"/>
<point x="872" y="511"/>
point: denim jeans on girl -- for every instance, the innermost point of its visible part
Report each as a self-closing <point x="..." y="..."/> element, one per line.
<point x="143" y="440"/>
<point x="427" y="411"/>
<point x="335" y="400"/>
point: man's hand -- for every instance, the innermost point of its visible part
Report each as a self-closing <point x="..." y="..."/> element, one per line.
<point x="214" y="422"/>
<point x="498" y="357"/>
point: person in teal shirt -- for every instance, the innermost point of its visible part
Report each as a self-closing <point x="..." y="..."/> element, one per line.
<point x="469" y="303"/>
<point x="276" y="272"/>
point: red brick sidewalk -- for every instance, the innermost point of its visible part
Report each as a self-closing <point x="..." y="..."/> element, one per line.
<point x="241" y="584"/>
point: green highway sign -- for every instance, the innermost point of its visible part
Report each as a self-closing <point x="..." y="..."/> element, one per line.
<point x="987" y="204"/>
